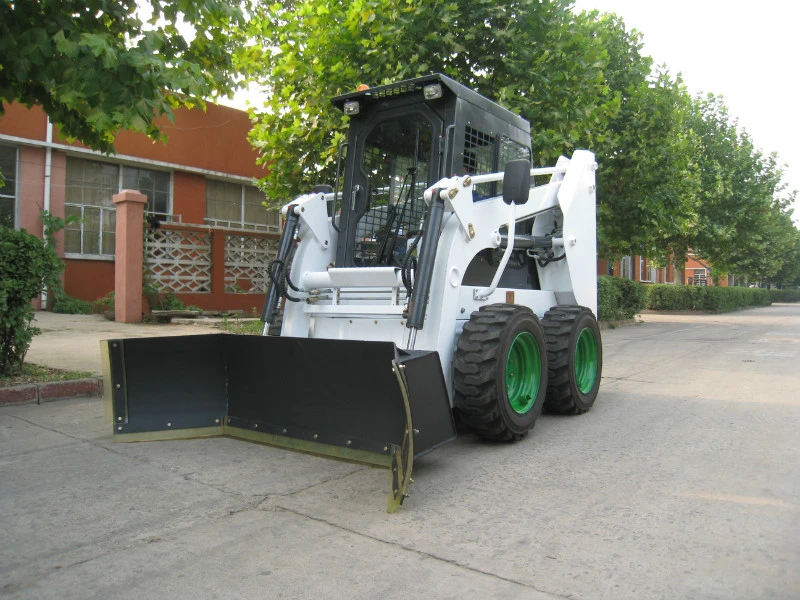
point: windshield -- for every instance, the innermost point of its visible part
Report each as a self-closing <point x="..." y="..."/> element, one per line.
<point x="396" y="161"/>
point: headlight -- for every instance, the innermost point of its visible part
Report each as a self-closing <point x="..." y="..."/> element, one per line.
<point x="352" y="107"/>
<point x="433" y="91"/>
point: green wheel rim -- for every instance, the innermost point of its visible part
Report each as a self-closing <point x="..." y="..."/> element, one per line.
<point x="523" y="373"/>
<point x="586" y="360"/>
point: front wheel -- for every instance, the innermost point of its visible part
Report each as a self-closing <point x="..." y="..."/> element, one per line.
<point x="501" y="372"/>
<point x="575" y="355"/>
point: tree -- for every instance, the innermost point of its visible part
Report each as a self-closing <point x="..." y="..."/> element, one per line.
<point x="788" y="275"/>
<point x="773" y="242"/>
<point x="532" y="56"/>
<point x="669" y="165"/>
<point x="97" y="67"/>
<point x="648" y="178"/>
<point x="742" y="226"/>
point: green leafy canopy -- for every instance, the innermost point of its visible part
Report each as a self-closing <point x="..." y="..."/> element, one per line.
<point x="97" y="67"/>
<point x="532" y="56"/>
<point x="675" y="175"/>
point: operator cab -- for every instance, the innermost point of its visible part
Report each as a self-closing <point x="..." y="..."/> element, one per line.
<point x="403" y="138"/>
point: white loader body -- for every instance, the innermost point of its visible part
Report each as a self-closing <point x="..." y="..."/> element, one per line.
<point x="404" y="304"/>
<point x="369" y="303"/>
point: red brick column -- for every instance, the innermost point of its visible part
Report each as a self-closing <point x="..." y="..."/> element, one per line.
<point x="129" y="258"/>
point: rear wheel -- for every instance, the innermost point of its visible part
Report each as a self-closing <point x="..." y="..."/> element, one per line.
<point x="501" y="372"/>
<point x="575" y="358"/>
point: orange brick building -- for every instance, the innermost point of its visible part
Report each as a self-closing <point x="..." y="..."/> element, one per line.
<point x="637" y="268"/>
<point x="199" y="187"/>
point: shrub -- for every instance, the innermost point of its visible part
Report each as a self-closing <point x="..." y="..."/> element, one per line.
<point x="57" y="298"/>
<point x="717" y="299"/>
<point x="669" y="297"/>
<point x="634" y="297"/>
<point x="761" y="297"/>
<point x="608" y="298"/>
<point x="159" y="300"/>
<point x="104" y="304"/>
<point x="709" y="299"/>
<point x="784" y="295"/>
<point x="25" y="264"/>
<point x="172" y="302"/>
<point x="71" y="306"/>
<point x="619" y="298"/>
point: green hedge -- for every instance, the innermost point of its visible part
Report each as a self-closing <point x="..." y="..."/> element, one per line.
<point x="673" y="297"/>
<point x="619" y="298"/>
<point x="784" y="295"/>
<point x="705" y="298"/>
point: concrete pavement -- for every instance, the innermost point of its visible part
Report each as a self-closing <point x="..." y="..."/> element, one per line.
<point x="682" y="482"/>
<point x="72" y="342"/>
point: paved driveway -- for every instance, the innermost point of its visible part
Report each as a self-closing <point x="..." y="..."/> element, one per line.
<point x="72" y="342"/>
<point x="683" y="482"/>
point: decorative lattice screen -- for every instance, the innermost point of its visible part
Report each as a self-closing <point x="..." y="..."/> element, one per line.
<point x="246" y="261"/>
<point x="179" y="261"/>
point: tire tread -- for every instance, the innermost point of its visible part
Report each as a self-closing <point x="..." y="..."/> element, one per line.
<point x="475" y="377"/>
<point x="558" y="324"/>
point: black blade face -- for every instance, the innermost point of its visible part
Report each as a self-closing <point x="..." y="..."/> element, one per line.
<point x="335" y="393"/>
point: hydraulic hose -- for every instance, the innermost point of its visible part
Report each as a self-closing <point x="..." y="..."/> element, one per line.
<point x="277" y="268"/>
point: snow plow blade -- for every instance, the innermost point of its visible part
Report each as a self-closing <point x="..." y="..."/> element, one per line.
<point x="367" y="402"/>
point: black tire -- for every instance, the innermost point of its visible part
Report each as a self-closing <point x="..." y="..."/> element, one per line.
<point x="489" y="354"/>
<point x="574" y="377"/>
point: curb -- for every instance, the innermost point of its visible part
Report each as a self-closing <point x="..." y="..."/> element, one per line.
<point x="51" y="390"/>
<point x="212" y="321"/>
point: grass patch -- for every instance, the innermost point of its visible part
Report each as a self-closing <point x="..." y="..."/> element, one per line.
<point x="248" y="327"/>
<point x="31" y="373"/>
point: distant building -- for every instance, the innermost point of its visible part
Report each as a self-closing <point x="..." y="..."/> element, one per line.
<point x="638" y="268"/>
<point x="201" y="182"/>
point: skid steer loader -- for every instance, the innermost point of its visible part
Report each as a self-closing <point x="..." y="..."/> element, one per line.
<point x="425" y="283"/>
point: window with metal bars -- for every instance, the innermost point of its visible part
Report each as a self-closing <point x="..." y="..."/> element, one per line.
<point x="90" y="186"/>
<point x="237" y="206"/>
<point x="483" y="153"/>
<point x="396" y="160"/>
<point x="510" y="150"/>
<point x="479" y="154"/>
<point x="153" y="184"/>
